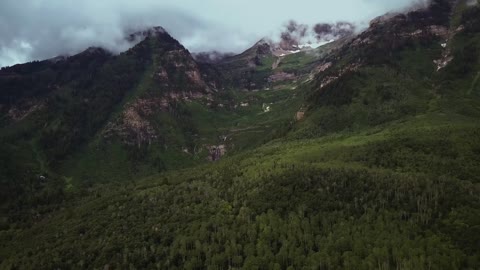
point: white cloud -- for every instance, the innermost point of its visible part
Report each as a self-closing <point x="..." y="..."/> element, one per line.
<point x="39" y="29"/>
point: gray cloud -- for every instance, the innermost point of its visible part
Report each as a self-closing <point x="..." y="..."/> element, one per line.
<point x="40" y="29"/>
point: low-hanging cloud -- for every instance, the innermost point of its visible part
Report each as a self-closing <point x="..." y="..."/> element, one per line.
<point x="295" y="34"/>
<point x="40" y="29"/>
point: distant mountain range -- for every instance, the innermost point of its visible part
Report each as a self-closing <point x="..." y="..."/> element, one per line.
<point x="360" y="152"/>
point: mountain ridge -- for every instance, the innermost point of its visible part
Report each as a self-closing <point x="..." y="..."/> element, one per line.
<point x="362" y="153"/>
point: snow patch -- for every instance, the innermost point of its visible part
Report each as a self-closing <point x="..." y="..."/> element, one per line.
<point x="304" y="47"/>
<point x="314" y="45"/>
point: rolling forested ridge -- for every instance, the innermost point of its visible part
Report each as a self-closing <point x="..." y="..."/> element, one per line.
<point x="363" y="153"/>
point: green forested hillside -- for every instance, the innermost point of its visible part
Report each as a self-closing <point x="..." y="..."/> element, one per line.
<point x="371" y="161"/>
<point x="378" y="199"/>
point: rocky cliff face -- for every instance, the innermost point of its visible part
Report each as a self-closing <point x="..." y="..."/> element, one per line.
<point x="122" y="98"/>
<point x="133" y="126"/>
<point x="174" y="68"/>
<point x="174" y="76"/>
<point x="94" y="92"/>
<point x="397" y="67"/>
<point x="388" y="34"/>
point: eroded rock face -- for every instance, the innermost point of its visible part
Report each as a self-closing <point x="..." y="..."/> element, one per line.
<point x="447" y="56"/>
<point x="281" y="76"/>
<point x="176" y="77"/>
<point x="398" y="34"/>
<point x="137" y="127"/>
<point x="133" y="127"/>
<point x="263" y="48"/>
<point x="216" y="152"/>
<point x="443" y="62"/>
<point x="332" y="78"/>
<point x="195" y="77"/>
<point x="323" y="67"/>
<point x="361" y="41"/>
<point x="431" y="30"/>
<point x="162" y="75"/>
<point x="20" y="112"/>
<point x="393" y="30"/>
<point x="438" y="30"/>
<point x="181" y="95"/>
<point x="181" y="70"/>
<point x="300" y="115"/>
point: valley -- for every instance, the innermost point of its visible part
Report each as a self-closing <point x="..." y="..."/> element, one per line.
<point x="359" y="154"/>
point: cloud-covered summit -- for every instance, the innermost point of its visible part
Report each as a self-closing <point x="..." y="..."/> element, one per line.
<point x="40" y="29"/>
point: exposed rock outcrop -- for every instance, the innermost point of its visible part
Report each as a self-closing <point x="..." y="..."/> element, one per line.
<point x="332" y="78"/>
<point x="216" y="152"/>
<point x="22" y="111"/>
<point x="281" y="76"/>
<point x="133" y="126"/>
<point x="443" y="62"/>
<point x="300" y="115"/>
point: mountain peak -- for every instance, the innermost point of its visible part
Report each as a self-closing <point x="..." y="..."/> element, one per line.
<point x="95" y="50"/>
<point x="154" y="31"/>
<point x="263" y="42"/>
<point x="263" y="47"/>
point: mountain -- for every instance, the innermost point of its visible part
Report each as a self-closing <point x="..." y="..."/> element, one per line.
<point x="266" y="65"/>
<point x="363" y="153"/>
<point x="52" y="110"/>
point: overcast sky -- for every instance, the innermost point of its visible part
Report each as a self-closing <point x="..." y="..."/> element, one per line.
<point x="40" y="29"/>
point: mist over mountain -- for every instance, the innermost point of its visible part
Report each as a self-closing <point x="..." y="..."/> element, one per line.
<point x="327" y="143"/>
<point x="42" y="29"/>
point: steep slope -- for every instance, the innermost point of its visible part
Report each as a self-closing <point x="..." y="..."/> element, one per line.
<point x="409" y="65"/>
<point x="240" y="70"/>
<point x="96" y="117"/>
<point x="61" y="111"/>
<point x="381" y="171"/>
<point x="264" y="66"/>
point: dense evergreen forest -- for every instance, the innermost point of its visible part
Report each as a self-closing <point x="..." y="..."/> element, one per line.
<point x="369" y="159"/>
